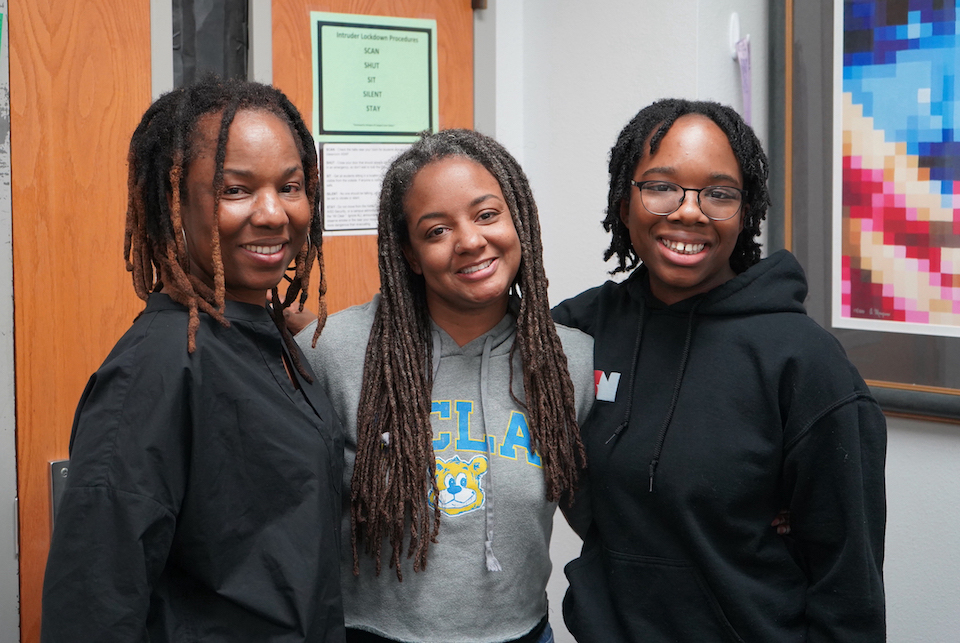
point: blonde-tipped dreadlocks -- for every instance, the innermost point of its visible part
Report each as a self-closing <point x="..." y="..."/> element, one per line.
<point x="389" y="486"/>
<point x="161" y="150"/>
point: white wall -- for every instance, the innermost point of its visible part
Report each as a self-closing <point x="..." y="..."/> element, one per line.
<point x="922" y="566"/>
<point x="556" y="80"/>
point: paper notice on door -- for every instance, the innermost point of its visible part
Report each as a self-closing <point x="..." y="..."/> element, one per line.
<point x="352" y="174"/>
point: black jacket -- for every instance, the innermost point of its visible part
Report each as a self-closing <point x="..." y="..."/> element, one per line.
<point x="203" y="500"/>
<point x="713" y="414"/>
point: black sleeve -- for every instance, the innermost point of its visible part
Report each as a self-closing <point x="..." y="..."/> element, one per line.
<point x="116" y="522"/>
<point x="834" y="475"/>
<point x="579" y="312"/>
<point x="107" y="553"/>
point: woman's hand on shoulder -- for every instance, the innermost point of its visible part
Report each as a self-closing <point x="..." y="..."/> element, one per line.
<point x="295" y="318"/>
<point x="782" y="522"/>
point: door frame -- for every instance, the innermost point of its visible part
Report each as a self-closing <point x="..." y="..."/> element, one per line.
<point x="9" y="538"/>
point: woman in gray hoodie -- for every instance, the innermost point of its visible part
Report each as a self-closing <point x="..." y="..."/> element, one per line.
<point x="461" y="401"/>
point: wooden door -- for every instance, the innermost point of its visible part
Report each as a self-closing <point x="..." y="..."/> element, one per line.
<point x="351" y="261"/>
<point x="79" y="82"/>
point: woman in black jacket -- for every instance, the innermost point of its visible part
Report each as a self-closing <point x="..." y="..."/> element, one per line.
<point x="203" y="498"/>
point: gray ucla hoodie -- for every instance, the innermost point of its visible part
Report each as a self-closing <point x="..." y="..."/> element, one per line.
<point x="494" y="511"/>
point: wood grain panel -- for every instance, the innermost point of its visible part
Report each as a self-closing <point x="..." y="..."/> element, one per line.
<point x="79" y="81"/>
<point x="351" y="262"/>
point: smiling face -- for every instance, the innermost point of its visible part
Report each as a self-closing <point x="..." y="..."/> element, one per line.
<point x="685" y="252"/>
<point x="264" y="211"/>
<point x="462" y="240"/>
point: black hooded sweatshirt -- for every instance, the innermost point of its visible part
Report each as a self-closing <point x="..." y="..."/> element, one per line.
<point x="712" y="415"/>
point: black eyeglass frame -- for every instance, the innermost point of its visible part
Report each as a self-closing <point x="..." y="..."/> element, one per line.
<point x="640" y="184"/>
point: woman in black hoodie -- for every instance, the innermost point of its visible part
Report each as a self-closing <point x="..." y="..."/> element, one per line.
<point x="719" y="402"/>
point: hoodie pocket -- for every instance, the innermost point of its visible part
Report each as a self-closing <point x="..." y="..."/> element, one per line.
<point x="588" y="609"/>
<point x="651" y="599"/>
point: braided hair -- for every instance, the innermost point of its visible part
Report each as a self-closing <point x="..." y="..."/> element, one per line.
<point x="653" y="122"/>
<point x="390" y="483"/>
<point x="161" y="150"/>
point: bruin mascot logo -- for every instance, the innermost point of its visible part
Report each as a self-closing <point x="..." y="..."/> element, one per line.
<point x="459" y="484"/>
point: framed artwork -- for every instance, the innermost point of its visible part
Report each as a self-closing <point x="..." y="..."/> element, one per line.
<point x="896" y="229"/>
<point x="874" y="190"/>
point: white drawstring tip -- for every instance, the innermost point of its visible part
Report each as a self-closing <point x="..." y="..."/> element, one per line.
<point x="493" y="565"/>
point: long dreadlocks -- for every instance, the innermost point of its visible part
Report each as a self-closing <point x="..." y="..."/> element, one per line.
<point x="656" y="120"/>
<point x="161" y="150"/>
<point x="390" y="483"/>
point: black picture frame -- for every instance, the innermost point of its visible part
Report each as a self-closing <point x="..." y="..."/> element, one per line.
<point x="910" y="375"/>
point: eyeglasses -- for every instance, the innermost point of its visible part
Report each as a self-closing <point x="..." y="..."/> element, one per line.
<point x="717" y="202"/>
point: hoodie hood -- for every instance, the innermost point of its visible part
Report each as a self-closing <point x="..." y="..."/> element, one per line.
<point x="495" y="342"/>
<point x="775" y="285"/>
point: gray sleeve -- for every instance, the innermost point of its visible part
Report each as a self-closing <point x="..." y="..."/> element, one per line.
<point x="578" y="348"/>
<point x="338" y="358"/>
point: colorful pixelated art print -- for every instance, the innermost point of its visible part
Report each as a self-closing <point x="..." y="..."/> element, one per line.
<point x="896" y="220"/>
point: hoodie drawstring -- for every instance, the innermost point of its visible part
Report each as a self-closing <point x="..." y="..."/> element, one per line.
<point x="633" y="375"/>
<point x="436" y="353"/>
<point x="676" y="395"/>
<point x="493" y="565"/>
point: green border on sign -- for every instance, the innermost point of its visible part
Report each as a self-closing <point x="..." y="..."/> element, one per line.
<point x="374" y="78"/>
